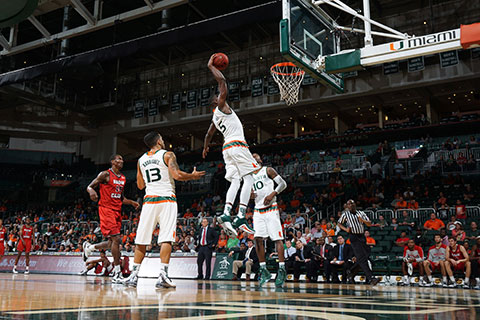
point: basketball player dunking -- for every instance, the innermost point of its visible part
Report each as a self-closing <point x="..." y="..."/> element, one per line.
<point x="266" y="219"/>
<point x="27" y="237"/>
<point x="156" y="171"/>
<point x="239" y="162"/>
<point x="3" y="232"/>
<point x="111" y="183"/>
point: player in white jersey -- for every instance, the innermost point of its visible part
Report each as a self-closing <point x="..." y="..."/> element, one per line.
<point x="266" y="219"/>
<point x="239" y="162"/>
<point x="156" y="171"/>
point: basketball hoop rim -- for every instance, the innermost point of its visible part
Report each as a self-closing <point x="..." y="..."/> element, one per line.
<point x="286" y="64"/>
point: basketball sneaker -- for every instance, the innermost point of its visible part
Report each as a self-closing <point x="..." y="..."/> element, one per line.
<point x="281" y="277"/>
<point x="164" y="281"/>
<point x="27" y="271"/>
<point x="264" y="276"/>
<point x="15" y="270"/>
<point x="86" y="251"/>
<point x="131" y="281"/>
<point x="226" y="222"/>
<point x="83" y="273"/>
<point x="242" y="224"/>
<point x="117" y="277"/>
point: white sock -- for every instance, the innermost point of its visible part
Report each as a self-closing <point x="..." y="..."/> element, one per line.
<point x="478" y="280"/>
<point x="163" y="268"/>
<point x="452" y="279"/>
<point x="242" y="210"/>
<point x="430" y="278"/>
<point x="405" y="278"/>
<point x="263" y="264"/>
<point x="281" y="264"/>
<point x="117" y="269"/>
<point x="444" y="279"/>
<point x="136" y="267"/>
<point x="245" y="193"/>
<point x="231" y="196"/>
<point x="26" y="268"/>
<point x="467" y="279"/>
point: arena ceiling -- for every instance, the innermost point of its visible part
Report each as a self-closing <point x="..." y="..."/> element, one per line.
<point x="27" y="114"/>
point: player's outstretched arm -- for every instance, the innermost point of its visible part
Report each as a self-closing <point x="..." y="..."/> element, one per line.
<point x="281" y="185"/>
<point x="208" y="139"/>
<point x="222" y="85"/>
<point x="101" y="178"/>
<point x="178" y="174"/>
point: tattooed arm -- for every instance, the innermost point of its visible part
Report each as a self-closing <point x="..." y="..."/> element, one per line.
<point x="176" y="173"/>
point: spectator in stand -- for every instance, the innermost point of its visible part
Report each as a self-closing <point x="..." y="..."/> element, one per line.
<point x="473" y="233"/>
<point x="471" y="163"/>
<point x="406" y="220"/>
<point x="377" y="171"/>
<point x="420" y="239"/>
<point x="188" y="214"/>
<point x="458" y="232"/>
<point x="330" y="232"/>
<point x="299" y="237"/>
<point x="460" y="211"/>
<point x="433" y="223"/>
<point x="451" y="224"/>
<point x="289" y="255"/>
<point x="442" y="212"/>
<point x="412" y="259"/>
<point x="370" y="241"/>
<point x="222" y="243"/>
<point x="408" y="194"/>
<point x="288" y="224"/>
<point x="412" y="204"/>
<point x="398" y="168"/>
<point x="299" y="220"/>
<point x="461" y="161"/>
<point x="441" y="199"/>
<point x="295" y="203"/>
<point x="382" y="223"/>
<point x="232" y="242"/>
<point x="248" y="260"/>
<point x="394" y="224"/>
<point x="396" y="199"/>
<point x="401" y="204"/>
<point x="403" y="240"/>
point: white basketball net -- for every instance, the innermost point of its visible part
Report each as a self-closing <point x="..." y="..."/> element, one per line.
<point x="289" y="77"/>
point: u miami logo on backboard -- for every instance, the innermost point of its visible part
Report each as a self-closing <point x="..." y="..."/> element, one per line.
<point x="396" y="46"/>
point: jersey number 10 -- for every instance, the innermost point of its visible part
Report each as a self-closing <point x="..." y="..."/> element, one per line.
<point x="258" y="185"/>
<point x="153" y="175"/>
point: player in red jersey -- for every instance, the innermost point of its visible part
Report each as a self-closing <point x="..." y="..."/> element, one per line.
<point x="457" y="259"/>
<point x="111" y="183"/>
<point x="3" y="232"/>
<point x="27" y="237"/>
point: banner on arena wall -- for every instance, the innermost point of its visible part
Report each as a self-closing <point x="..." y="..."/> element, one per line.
<point x="475" y="53"/>
<point x="448" y="58"/>
<point x="57" y="183"/>
<point x="204" y="97"/>
<point x="192" y="99"/>
<point x="139" y="105"/>
<point x="390" y="68"/>
<point x="407" y="153"/>
<point x="416" y="64"/>
<point x="223" y="267"/>
<point x="272" y="87"/>
<point x="234" y="91"/>
<point x="176" y="104"/>
<point x="152" y="108"/>
<point x="257" y="87"/>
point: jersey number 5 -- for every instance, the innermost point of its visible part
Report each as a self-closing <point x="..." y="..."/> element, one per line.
<point x="153" y="175"/>
<point x="222" y="126"/>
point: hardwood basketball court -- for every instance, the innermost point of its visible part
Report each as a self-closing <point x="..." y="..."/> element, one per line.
<point x="37" y="296"/>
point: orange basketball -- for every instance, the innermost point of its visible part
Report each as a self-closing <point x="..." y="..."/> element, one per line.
<point x="220" y="61"/>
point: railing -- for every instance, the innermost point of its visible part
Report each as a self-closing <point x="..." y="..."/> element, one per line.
<point x="421" y="214"/>
<point x="411" y="213"/>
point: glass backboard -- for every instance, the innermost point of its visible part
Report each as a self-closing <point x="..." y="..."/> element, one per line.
<point x="306" y="33"/>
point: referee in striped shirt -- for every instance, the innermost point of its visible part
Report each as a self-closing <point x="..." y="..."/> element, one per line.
<point x="355" y="220"/>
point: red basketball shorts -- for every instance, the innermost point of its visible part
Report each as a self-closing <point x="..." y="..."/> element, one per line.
<point x="27" y="247"/>
<point x="110" y="221"/>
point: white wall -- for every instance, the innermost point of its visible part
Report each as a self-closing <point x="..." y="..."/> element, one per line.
<point x="43" y="145"/>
